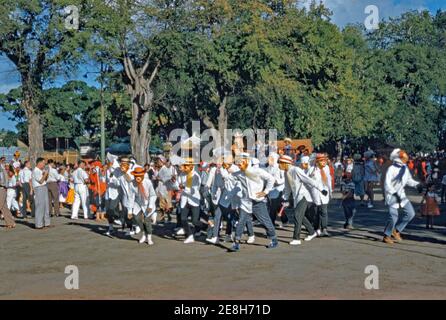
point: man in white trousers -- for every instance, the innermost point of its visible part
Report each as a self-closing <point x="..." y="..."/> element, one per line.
<point x="80" y="180"/>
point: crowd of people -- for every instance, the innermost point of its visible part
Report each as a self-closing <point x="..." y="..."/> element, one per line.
<point x="233" y="193"/>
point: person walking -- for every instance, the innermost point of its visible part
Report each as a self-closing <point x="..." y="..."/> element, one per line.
<point x="371" y="176"/>
<point x="143" y="209"/>
<point x="80" y="180"/>
<point x="53" y="188"/>
<point x="297" y="186"/>
<point x="397" y="178"/>
<point x="4" y="211"/>
<point x="25" y="177"/>
<point x="252" y="187"/>
<point x="40" y="190"/>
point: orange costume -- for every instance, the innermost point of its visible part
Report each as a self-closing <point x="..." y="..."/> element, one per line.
<point x="97" y="185"/>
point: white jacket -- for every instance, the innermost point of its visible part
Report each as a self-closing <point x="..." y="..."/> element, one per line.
<point x="316" y="194"/>
<point x="222" y="187"/>
<point x="279" y="183"/>
<point x="298" y="184"/>
<point x="392" y="186"/>
<point x="251" y="182"/>
<point x="141" y="203"/>
<point x="191" y="195"/>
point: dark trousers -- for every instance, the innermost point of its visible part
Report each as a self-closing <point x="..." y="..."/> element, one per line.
<point x="349" y="210"/>
<point x="26" y="196"/>
<point x="53" y="196"/>
<point x="274" y="206"/>
<point x="144" y="223"/>
<point x="227" y="214"/>
<point x="300" y="218"/>
<point x="321" y="217"/>
<point x="112" y="212"/>
<point x="443" y="193"/>
<point x="195" y="219"/>
<point x="260" y="211"/>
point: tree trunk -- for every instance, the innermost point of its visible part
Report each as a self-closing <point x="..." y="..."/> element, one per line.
<point x="222" y="116"/>
<point x="140" y="133"/>
<point x="35" y="130"/>
<point x="339" y="148"/>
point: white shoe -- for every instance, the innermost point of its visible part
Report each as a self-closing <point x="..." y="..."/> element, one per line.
<point x="295" y="242"/>
<point x="137" y="230"/>
<point x="118" y="222"/>
<point x="311" y="237"/>
<point x="370" y="206"/>
<point x="189" y="239"/>
<point x="318" y="232"/>
<point x="180" y="232"/>
<point x="143" y="239"/>
<point x="251" y="239"/>
<point x="130" y="233"/>
<point x="213" y="240"/>
<point x="149" y="240"/>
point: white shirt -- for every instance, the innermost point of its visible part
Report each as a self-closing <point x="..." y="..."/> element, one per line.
<point x="141" y="203"/>
<point x="222" y="186"/>
<point x="113" y="186"/>
<point x="12" y="182"/>
<point x="79" y="176"/>
<point x="316" y="194"/>
<point x="191" y="195"/>
<point x="298" y="184"/>
<point x="25" y="175"/>
<point x="443" y="181"/>
<point x="36" y="177"/>
<point x="251" y="182"/>
<point x="392" y="186"/>
<point x="279" y="181"/>
<point x="53" y="175"/>
<point x="128" y="196"/>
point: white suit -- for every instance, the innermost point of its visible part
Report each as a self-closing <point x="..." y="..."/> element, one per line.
<point x="80" y="193"/>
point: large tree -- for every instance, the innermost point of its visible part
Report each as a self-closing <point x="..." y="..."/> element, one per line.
<point x="34" y="36"/>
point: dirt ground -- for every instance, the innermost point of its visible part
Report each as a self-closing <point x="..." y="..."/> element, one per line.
<point x="32" y="263"/>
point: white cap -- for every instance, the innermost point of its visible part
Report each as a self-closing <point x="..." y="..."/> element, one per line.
<point x="395" y="154"/>
<point x="305" y="159"/>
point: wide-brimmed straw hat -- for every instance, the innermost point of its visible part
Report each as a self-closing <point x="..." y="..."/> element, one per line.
<point x="286" y="159"/>
<point x="139" y="172"/>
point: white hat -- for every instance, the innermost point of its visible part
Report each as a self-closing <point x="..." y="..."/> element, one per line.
<point x="255" y="161"/>
<point x="395" y="154"/>
<point x="305" y="159"/>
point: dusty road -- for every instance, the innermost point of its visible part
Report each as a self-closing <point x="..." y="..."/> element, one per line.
<point x="32" y="263"/>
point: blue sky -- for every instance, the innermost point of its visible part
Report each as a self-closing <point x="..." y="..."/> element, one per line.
<point x="344" y="12"/>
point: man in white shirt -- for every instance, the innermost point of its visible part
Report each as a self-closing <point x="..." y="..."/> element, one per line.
<point x="53" y="187"/>
<point x="321" y="174"/>
<point x="275" y="195"/>
<point x="189" y="183"/>
<point x="251" y="189"/>
<point x="143" y="209"/>
<point x="297" y="185"/>
<point x="25" y="176"/>
<point x="127" y="195"/>
<point x="397" y="177"/>
<point x="226" y="203"/>
<point x="80" y="180"/>
<point x="4" y="211"/>
<point x="113" y="195"/>
<point x="40" y="190"/>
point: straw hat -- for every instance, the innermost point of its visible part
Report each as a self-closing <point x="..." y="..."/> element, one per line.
<point x="286" y="159"/>
<point x="139" y="172"/>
